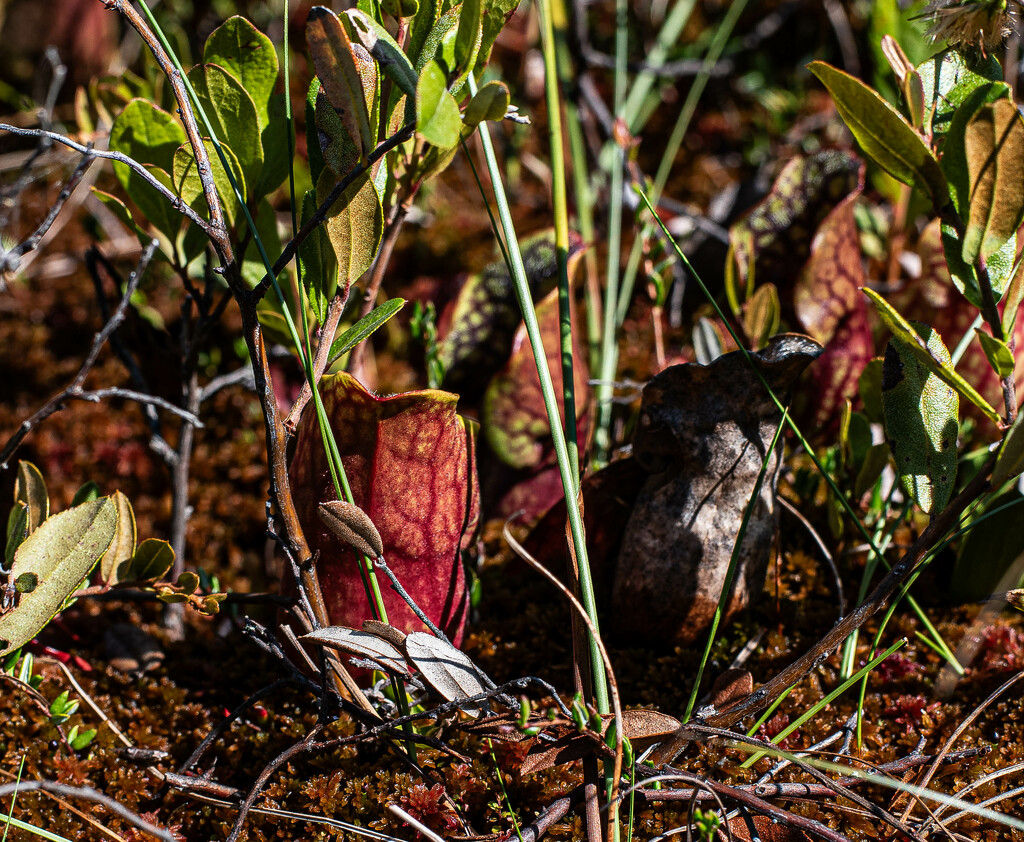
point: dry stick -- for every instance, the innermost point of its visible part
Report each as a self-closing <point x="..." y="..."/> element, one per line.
<point x="74" y="390"/>
<point x="613" y="687"/>
<point x="323" y="355"/>
<point x="817" y="774"/>
<point x="1006" y="685"/>
<point x="302" y="746"/>
<point x="175" y="201"/>
<point x="795" y="672"/>
<point x="380" y="267"/>
<point x="554" y="812"/>
<point x="829" y="559"/>
<point x="9" y="260"/>
<point x="87" y="793"/>
<point x="740" y="796"/>
<point x="280" y="488"/>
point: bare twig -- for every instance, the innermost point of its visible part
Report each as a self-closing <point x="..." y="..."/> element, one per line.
<point x="74" y="390"/>
<point x="87" y="793"/>
<point x="320" y="360"/>
<point x="10" y="260"/>
<point x="175" y="201"/>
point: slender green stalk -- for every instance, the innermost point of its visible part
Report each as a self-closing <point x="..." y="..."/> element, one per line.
<point x="14" y="797"/>
<point x="675" y="140"/>
<point x="522" y="290"/>
<point x="734" y="563"/>
<point x="946" y="652"/>
<point x="560" y="206"/>
<point x="609" y="335"/>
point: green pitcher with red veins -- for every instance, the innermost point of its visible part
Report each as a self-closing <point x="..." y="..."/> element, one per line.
<point x="410" y="461"/>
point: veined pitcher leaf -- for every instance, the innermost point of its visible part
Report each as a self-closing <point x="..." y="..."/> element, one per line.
<point x="30" y="489"/>
<point x="921" y="420"/>
<point x="934" y="362"/>
<point x="994" y="146"/>
<point x="884" y="135"/>
<point x="346" y="71"/>
<point x="59" y="555"/>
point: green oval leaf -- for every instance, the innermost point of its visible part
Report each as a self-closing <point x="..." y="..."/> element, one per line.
<point x="317" y="263"/>
<point x="232" y="114"/>
<point x="249" y="56"/>
<point x="188" y="185"/>
<point x="364" y="328"/>
<point x="379" y="43"/>
<point x="60" y="554"/>
<point x="489" y="103"/>
<point x="30" y="489"/>
<point x="942" y="368"/>
<point x="998" y="354"/>
<point x="150" y="561"/>
<point x="438" y="120"/>
<point x="122" y="545"/>
<point x="994" y="145"/>
<point x="884" y="135"/>
<point x="355" y="225"/>
<point x="346" y="71"/>
<point x="468" y="38"/>
<point x="921" y="421"/>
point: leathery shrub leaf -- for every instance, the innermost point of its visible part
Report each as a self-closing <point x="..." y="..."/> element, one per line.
<point x="490" y="102"/>
<point x="921" y="420"/>
<point x="355" y="225"/>
<point x="935" y="363"/>
<point x="438" y="120"/>
<point x="59" y="554"/>
<point x="346" y="71"/>
<point x="994" y="145"/>
<point x="1010" y="462"/>
<point x="30" y="489"/>
<point x="122" y="545"/>
<point x="998" y="354"/>
<point x="884" y="135"/>
<point x="411" y="467"/>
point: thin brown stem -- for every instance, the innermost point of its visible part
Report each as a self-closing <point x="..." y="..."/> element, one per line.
<point x="320" y="360"/>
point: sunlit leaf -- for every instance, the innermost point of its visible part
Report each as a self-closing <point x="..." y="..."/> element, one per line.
<point x="468" y="38"/>
<point x="189" y="186"/>
<point x="59" y="554"/>
<point x="1011" y="455"/>
<point x="346" y="71"/>
<point x="446" y="669"/>
<point x="994" y="147"/>
<point x="490" y="102"/>
<point x="317" y="264"/>
<point x="921" y="420"/>
<point x="379" y="43"/>
<point x="948" y="79"/>
<point x="883" y="133"/>
<point x="438" y="120"/>
<point x="364" y="328"/>
<point x="930" y="358"/>
<point x="122" y="545"/>
<point x="151" y="560"/>
<point x="355" y="225"/>
<point x="998" y="354"/>
<point x="361" y="644"/>
<point x="249" y="56"/>
<point x="761" y="315"/>
<point x="30" y="489"/>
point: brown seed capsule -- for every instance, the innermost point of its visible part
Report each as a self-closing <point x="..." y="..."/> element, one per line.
<point x="353" y="526"/>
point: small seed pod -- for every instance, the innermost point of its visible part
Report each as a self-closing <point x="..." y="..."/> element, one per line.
<point x="353" y="526"/>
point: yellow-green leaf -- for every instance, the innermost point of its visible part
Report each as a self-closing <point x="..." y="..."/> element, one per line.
<point x="994" y="145"/>
<point x="355" y="225"/>
<point x="884" y="135"/>
<point x="30" y="489"/>
<point x="122" y="545"/>
<point x="57" y="556"/>
<point x="943" y="369"/>
<point x="346" y="72"/>
<point x="489" y="103"/>
<point x="921" y="420"/>
<point x="997" y="353"/>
